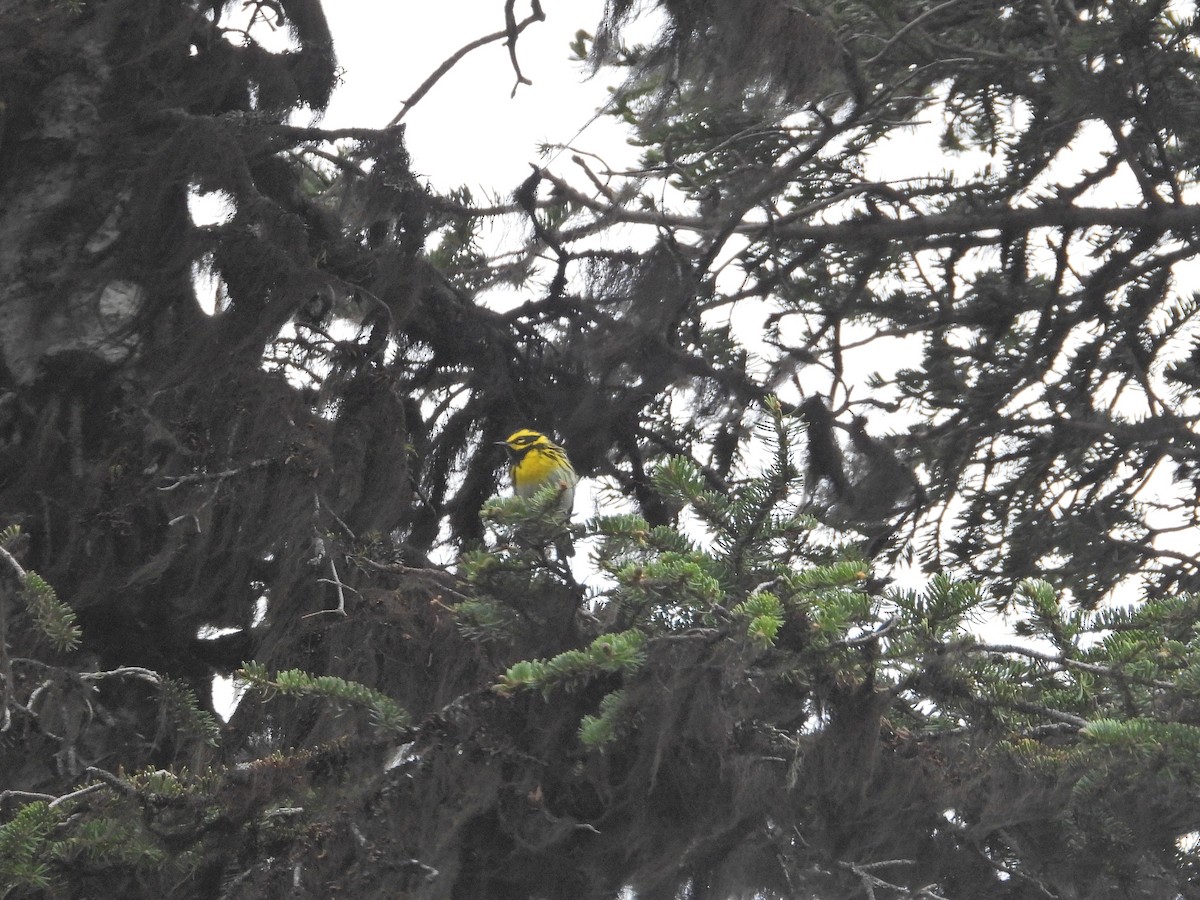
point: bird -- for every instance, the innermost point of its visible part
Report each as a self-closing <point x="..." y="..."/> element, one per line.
<point x="535" y="462"/>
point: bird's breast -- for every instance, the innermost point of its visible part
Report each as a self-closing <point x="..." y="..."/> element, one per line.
<point x="533" y="472"/>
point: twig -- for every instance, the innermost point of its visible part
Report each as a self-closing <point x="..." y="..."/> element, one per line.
<point x="429" y="873"/>
<point x="11" y="560"/>
<point x="870" y="882"/>
<point x="121" y="787"/>
<point x="592" y="177"/>
<point x="341" y="524"/>
<point x="124" y="672"/>
<point x="284" y="812"/>
<point x="930" y="227"/>
<point x="340" y="161"/>
<point x="870" y="635"/>
<point x="26" y="796"/>
<point x="75" y="795"/>
<point x="908" y="27"/>
<point x="510" y="28"/>
<point x="340" y="609"/>
<point x="692" y="634"/>
<point x="1057" y="715"/>
<point x="200" y="477"/>
<point x="1013" y="872"/>
<point x="195" y="520"/>
<point x="440" y="577"/>
<point x="453" y="59"/>
<point x="6" y="689"/>
<point x="1068" y="663"/>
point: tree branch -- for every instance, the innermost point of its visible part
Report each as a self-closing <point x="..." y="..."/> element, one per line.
<point x="1160" y="219"/>
<point x="199" y="477"/>
<point x="1068" y="663"/>
<point x="509" y="35"/>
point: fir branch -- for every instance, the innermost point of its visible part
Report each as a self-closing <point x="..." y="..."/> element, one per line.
<point x="384" y="711"/>
<point x="192" y="718"/>
<point x="765" y="613"/>
<point x="1147" y="736"/>
<point x="1036" y="709"/>
<point x="54" y="619"/>
<point x="776" y="483"/>
<point x="1068" y="663"/>
<point x="608" y="725"/>
<point x="6" y="681"/>
<point x="873" y="635"/>
<point x="622" y="652"/>
<point x="23" y="846"/>
<point x="485" y="620"/>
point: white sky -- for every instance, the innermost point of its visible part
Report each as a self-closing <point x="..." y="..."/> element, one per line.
<point x="467" y="130"/>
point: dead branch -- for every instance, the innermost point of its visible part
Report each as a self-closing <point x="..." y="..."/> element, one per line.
<point x="509" y="35"/>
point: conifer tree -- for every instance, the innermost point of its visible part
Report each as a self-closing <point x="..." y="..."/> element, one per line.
<point x="735" y="699"/>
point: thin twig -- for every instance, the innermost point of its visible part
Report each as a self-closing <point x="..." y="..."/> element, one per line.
<point x="123" y="672"/>
<point x="908" y="27"/>
<point x="340" y="609"/>
<point x="512" y="32"/>
<point x="117" y="784"/>
<point x="75" y="795"/>
<point x="6" y="688"/>
<point x="594" y="179"/>
<point x="200" y="477"/>
<point x="11" y="560"/>
<point x="870" y="882"/>
<point x="453" y="60"/>
<point x="440" y="577"/>
<point x="870" y="635"/>
<point x="1069" y="663"/>
<point x="24" y="796"/>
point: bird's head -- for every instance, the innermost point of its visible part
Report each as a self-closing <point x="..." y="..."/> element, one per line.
<point x="521" y="442"/>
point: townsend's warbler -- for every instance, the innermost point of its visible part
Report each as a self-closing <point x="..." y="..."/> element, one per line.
<point x="536" y="462"/>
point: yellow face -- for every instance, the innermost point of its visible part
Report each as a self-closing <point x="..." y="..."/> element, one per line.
<point x="519" y="442"/>
<point x="535" y="462"/>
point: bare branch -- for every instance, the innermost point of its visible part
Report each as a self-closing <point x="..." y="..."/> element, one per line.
<point x="509" y="35"/>
<point x="954" y="225"/>
<point x="200" y="477"/>
<point x="123" y="672"/>
<point x="512" y="30"/>
<point x="6" y="682"/>
<point x="1068" y="663"/>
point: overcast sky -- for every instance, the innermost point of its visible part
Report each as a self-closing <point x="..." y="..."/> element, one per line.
<point x="468" y="129"/>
